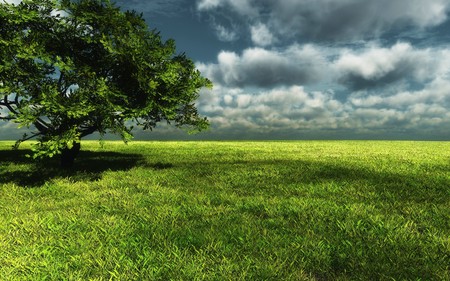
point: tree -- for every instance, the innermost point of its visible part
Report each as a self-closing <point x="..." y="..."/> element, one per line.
<point x="69" y="68"/>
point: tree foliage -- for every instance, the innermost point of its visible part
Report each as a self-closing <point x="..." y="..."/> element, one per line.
<point x="69" y="68"/>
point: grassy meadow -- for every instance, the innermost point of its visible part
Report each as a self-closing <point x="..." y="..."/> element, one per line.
<point x="300" y="210"/>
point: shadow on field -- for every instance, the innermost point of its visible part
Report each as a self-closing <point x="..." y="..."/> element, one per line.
<point x="291" y="175"/>
<point x="89" y="166"/>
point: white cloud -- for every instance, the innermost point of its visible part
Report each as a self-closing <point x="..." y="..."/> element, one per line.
<point x="278" y="74"/>
<point x="266" y="68"/>
<point x="224" y="34"/>
<point x="293" y="111"/>
<point x="368" y="67"/>
<point x="242" y="7"/>
<point x="208" y="4"/>
<point x="435" y="92"/>
<point x="261" y="35"/>
<point x="272" y="110"/>
<point x="379" y="66"/>
<point x="373" y="63"/>
<point x="416" y="107"/>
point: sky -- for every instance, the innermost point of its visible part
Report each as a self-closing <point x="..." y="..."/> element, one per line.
<point x="311" y="69"/>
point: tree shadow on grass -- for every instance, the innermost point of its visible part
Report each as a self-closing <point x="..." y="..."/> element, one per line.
<point x="387" y="185"/>
<point x="17" y="168"/>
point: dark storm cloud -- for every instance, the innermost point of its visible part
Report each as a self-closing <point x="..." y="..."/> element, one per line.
<point x="355" y="19"/>
<point x="334" y="20"/>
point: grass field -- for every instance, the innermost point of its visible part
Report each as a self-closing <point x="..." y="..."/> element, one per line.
<point x="307" y="210"/>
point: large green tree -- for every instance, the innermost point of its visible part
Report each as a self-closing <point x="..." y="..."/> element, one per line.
<point x="69" y="68"/>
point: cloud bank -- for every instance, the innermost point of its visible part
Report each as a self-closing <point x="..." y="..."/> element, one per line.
<point x="332" y="68"/>
<point x="266" y="68"/>
<point x="314" y="91"/>
<point x="336" y="20"/>
<point x="291" y="69"/>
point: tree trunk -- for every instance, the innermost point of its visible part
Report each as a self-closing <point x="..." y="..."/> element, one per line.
<point x="68" y="155"/>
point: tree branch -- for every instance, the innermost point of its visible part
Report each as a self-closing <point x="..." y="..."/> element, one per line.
<point x="41" y="125"/>
<point x="87" y="131"/>
<point x="24" y="138"/>
<point x="62" y="90"/>
<point x="8" y="104"/>
<point x="30" y="137"/>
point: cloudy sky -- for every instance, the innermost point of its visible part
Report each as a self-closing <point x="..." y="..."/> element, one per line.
<point x="313" y="69"/>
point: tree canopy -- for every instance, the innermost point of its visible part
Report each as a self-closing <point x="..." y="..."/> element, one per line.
<point x="69" y="68"/>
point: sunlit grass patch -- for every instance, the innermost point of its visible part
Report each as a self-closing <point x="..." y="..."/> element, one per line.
<point x="312" y="210"/>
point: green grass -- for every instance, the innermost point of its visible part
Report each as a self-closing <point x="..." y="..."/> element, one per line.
<point x="307" y="210"/>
